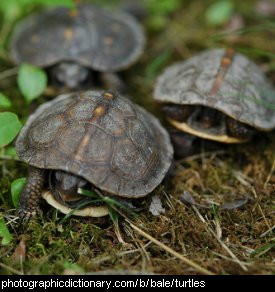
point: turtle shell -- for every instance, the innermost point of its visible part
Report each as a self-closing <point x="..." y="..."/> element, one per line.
<point x="100" y="39"/>
<point x="223" y="80"/>
<point x="106" y="139"/>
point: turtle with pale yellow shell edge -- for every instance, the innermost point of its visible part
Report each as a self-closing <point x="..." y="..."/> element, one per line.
<point x="218" y="95"/>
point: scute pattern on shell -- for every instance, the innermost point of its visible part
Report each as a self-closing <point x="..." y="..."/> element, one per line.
<point x="244" y="94"/>
<point x="114" y="144"/>
<point x="100" y="39"/>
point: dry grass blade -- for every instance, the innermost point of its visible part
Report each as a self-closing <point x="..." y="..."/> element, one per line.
<point x="120" y="254"/>
<point x="11" y="269"/>
<point x="260" y="208"/>
<point x="267" y="231"/>
<point x="229" y="259"/>
<point x="270" y="174"/>
<point x="165" y="247"/>
<point x="8" y="73"/>
<point x="201" y="156"/>
<point x="224" y="246"/>
<point x="170" y="250"/>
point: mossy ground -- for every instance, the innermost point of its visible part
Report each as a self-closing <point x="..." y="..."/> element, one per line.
<point x="237" y="241"/>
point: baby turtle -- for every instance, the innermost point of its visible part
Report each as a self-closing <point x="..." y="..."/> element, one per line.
<point x="80" y="48"/>
<point x="97" y="140"/>
<point x="218" y="95"/>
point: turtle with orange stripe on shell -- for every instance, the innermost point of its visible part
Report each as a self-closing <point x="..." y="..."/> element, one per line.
<point x="96" y="140"/>
<point x="80" y="49"/>
<point x="218" y="95"/>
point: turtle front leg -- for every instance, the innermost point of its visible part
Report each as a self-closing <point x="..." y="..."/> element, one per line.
<point x="31" y="196"/>
<point x="113" y="81"/>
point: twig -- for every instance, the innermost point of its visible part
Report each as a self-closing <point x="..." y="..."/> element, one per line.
<point x="12" y="220"/>
<point x="11" y="269"/>
<point x="270" y="174"/>
<point x="169" y="250"/>
<point x="260" y="208"/>
<point x="229" y="259"/>
<point x="107" y="258"/>
<point x="242" y="178"/>
<point x="201" y="155"/>
<point x="8" y="73"/>
<point x="224" y="246"/>
<point x="169" y="201"/>
<point x="139" y="244"/>
<point x="267" y="231"/>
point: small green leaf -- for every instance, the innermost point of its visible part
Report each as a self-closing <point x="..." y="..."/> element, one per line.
<point x="13" y="8"/>
<point x="16" y="190"/>
<point x="10" y="9"/>
<point x="219" y="12"/>
<point x="11" y="152"/>
<point x="32" y="81"/>
<point x="73" y="267"/>
<point x="9" y="127"/>
<point x="4" y="233"/>
<point x="157" y="22"/>
<point x="4" y="101"/>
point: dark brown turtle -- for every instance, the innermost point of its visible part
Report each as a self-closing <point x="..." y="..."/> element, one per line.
<point x="80" y="48"/>
<point x="218" y="95"/>
<point x="93" y="140"/>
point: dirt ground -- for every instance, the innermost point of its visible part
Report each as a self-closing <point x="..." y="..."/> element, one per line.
<point x="227" y="226"/>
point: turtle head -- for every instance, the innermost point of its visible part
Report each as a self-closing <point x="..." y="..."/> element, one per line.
<point x="71" y="76"/>
<point x="65" y="186"/>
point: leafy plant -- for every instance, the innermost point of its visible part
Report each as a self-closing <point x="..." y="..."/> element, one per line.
<point x="11" y="152"/>
<point x="4" y="233"/>
<point x="4" y="101"/>
<point x="16" y="190"/>
<point x="32" y="81"/>
<point x="73" y="267"/>
<point x="219" y="12"/>
<point x="162" y="6"/>
<point x="9" y="127"/>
